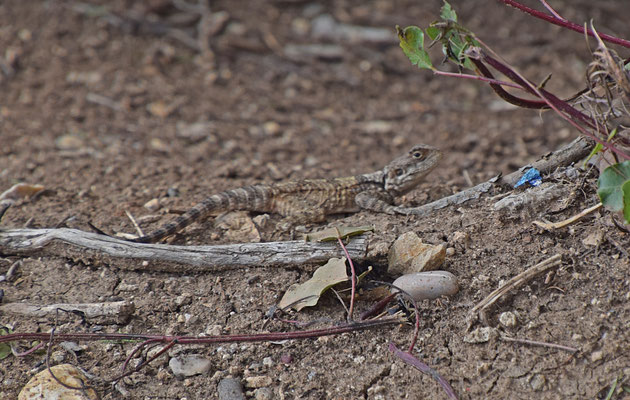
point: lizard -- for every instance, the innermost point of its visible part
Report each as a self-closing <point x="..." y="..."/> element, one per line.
<point x="311" y="200"/>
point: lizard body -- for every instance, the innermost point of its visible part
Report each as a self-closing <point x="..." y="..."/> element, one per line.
<point x="312" y="199"/>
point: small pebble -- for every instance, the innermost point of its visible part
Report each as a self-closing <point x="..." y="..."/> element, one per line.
<point x="263" y="394"/>
<point x="597" y="355"/>
<point x="538" y="382"/>
<point x="230" y="389"/>
<point x="258" y="381"/>
<point x="189" y="365"/>
<point x="507" y="319"/>
<point x="480" y="335"/>
<point x="152" y="205"/>
<point x="214" y="330"/>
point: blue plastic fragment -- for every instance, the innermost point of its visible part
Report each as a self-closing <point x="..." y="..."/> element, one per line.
<point x="531" y="176"/>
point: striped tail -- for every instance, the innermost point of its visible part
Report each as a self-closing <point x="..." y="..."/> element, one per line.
<point x="250" y="198"/>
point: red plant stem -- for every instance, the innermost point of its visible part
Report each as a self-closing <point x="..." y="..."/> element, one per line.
<point x="554" y="103"/>
<point x="565" y="23"/>
<point x="491" y="81"/>
<point x="510" y="98"/>
<point x="416" y="327"/>
<point x="137" y="349"/>
<point x="550" y="98"/>
<point x="409" y="359"/>
<point x="260" y="337"/>
<point x="145" y="362"/>
<point x="378" y="307"/>
<point x="31" y="350"/>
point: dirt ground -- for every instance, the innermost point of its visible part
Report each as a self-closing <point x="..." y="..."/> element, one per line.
<point x="108" y="116"/>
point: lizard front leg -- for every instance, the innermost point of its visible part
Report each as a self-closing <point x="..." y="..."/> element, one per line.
<point x="375" y="201"/>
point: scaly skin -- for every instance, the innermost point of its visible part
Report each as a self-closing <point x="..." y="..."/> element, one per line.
<point x="311" y="200"/>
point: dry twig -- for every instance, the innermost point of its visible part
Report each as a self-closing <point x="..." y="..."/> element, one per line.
<point x="550" y="226"/>
<point x="514" y="283"/>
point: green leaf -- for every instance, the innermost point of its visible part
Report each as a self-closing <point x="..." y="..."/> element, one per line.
<point x="412" y="43"/>
<point x="5" y="348"/>
<point x="598" y="147"/>
<point x="447" y="12"/>
<point x="331" y="234"/>
<point x="614" y="188"/>
<point x="625" y="188"/>
<point x="433" y="32"/>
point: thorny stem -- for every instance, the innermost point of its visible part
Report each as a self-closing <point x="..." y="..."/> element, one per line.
<point x="565" y="23"/>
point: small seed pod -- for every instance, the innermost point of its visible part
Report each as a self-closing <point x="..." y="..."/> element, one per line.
<point x="428" y="285"/>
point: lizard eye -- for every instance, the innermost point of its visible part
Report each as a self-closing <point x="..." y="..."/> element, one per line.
<point x="417" y="154"/>
<point x="399" y="172"/>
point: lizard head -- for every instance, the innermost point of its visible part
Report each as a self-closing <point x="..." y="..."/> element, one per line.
<point x="406" y="172"/>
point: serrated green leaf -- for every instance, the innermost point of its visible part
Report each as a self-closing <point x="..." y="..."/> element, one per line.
<point x="611" y="183"/>
<point x="412" y="43"/>
<point x="447" y="12"/>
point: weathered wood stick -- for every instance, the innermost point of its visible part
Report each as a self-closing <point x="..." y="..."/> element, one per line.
<point x="574" y="151"/>
<point x="116" y="312"/>
<point x="78" y="244"/>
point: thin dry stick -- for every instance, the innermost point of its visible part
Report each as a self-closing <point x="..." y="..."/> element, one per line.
<point x="353" y="277"/>
<point x="340" y="300"/>
<point x="517" y="282"/>
<point x="561" y="224"/>
<point x="542" y="344"/>
<point x="135" y="224"/>
<point x="81" y="388"/>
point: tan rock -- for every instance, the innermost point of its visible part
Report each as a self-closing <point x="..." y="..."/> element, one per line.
<point x="44" y="386"/>
<point x="239" y="227"/>
<point x="408" y="255"/>
<point x="152" y="205"/>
